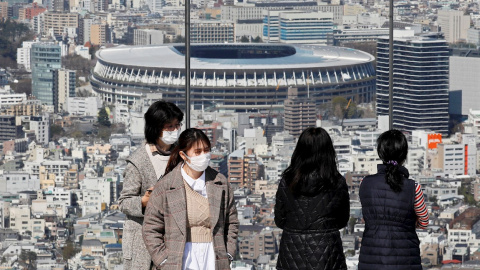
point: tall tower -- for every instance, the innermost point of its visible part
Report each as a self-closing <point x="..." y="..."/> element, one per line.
<point x="420" y="83"/>
<point x="299" y="113"/>
<point x="45" y="58"/>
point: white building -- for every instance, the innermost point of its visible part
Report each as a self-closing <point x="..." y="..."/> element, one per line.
<point x="416" y="160"/>
<point x="41" y="126"/>
<point x="252" y="137"/>
<point x="15" y="182"/>
<point x="147" y="37"/>
<point x="366" y="162"/>
<point x="90" y="201"/>
<point x="106" y="186"/>
<point x="450" y="158"/>
<point x="87" y="106"/>
<point x="7" y="99"/>
<point x="23" y="54"/>
<point x="22" y="220"/>
<point x="474" y="121"/>
<point x="58" y="194"/>
<point x="283" y="144"/>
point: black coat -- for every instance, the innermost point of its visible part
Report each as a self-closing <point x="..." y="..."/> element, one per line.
<point x="310" y="223"/>
<point x="390" y="240"/>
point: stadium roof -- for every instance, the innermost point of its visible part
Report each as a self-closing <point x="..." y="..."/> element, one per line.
<point x="234" y="56"/>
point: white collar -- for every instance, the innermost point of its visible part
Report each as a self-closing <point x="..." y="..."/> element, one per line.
<point x="196" y="184"/>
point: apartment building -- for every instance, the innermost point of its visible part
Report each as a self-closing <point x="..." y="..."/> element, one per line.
<point x="299" y="113"/>
<point x="56" y="22"/>
<point x="212" y="32"/>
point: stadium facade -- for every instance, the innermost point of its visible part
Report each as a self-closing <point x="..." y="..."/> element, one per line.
<point x="241" y="77"/>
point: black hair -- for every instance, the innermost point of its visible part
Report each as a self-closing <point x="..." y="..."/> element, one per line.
<point x="157" y="116"/>
<point x="187" y="140"/>
<point x="392" y="148"/>
<point x="315" y="156"/>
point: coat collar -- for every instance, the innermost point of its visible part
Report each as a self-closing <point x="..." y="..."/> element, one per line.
<point x="176" y="193"/>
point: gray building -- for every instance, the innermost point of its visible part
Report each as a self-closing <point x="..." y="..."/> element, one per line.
<point x="464" y="81"/>
<point x="147" y="37"/>
<point x="212" y="32"/>
<point x="420" y="83"/>
<point x="9" y="130"/>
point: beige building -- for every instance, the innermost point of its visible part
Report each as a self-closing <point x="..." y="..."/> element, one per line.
<point x="454" y="24"/>
<point x="299" y="113"/>
<point x="22" y="220"/>
<point x="64" y="87"/>
<point x="353" y="9"/>
<point x="236" y="167"/>
<point x="3" y="10"/>
<point x="57" y="21"/>
<point x="263" y="243"/>
<point x="98" y="34"/>
<point x="46" y="179"/>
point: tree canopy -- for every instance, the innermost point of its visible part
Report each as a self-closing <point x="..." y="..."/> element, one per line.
<point x="12" y="34"/>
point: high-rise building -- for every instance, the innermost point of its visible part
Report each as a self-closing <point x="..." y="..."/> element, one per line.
<point x="56" y="22"/>
<point x="454" y="24"/>
<point x="297" y="26"/>
<point x="236" y="168"/>
<point x="23" y="54"/>
<point x="420" y="83"/>
<point x="299" y="113"/>
<point x="64" y="87"/>
<point x="45" y="58"/>
<point x="212" y="32"/>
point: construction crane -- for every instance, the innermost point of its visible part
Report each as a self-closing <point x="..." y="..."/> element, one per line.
<point x="267" y="122"/>
<point x="345" y="114"/>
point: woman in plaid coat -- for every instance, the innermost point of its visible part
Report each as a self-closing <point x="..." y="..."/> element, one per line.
<point x="191" y="219"/>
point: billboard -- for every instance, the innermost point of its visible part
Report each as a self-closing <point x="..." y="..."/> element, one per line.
<point x="433" y="140"/>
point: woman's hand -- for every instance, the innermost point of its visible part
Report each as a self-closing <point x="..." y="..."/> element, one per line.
<point x="146" y="197"/>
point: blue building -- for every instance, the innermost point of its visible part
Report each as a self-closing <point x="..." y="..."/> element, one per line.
<point x="45" y="58"/>
<point x="297" y="26"/>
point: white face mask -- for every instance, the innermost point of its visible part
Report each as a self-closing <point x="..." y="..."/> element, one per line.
<point x="170" y="137"/>
<point x="199" y="163"/>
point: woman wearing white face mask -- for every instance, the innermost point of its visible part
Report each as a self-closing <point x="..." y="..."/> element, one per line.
<point x="191" y="220"/>
<point x="144" y="168"/>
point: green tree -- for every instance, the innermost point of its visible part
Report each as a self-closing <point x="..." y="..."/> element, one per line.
<point x="179" y="39"/>
<point x="28" y="258"/>
<point x="56" y="131"/>
<point x="103" y="118"/>
<point x="69" y="250"/>
<point x="12" y="34"/>
<point x="244" y="39"/>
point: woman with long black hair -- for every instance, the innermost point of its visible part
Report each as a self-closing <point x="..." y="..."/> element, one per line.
<point x="392" y="206"/>
<point x="312" y="204"/>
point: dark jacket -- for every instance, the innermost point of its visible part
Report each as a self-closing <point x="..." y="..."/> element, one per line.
<point x="310" y="223"/>
<point x="389" y="240"/>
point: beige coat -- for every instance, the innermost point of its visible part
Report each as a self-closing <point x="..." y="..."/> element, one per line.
<point x="165" y="223"/>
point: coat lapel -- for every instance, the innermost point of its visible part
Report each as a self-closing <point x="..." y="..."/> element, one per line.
<point x="215" y="193"/>
<point x="149" y="171"/>
<point x="176" y="199"/>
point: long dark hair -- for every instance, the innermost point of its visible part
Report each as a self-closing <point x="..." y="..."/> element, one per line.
<point x="158" y="114"/>
<point x="187" y="140"/>
<point x="314" y="156"/>
<point x="392" y="148"/>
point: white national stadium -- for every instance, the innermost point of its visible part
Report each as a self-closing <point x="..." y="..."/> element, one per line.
<point x="241" y="77"/>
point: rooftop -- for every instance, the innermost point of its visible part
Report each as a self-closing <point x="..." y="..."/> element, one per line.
<point x="234" y="56"/>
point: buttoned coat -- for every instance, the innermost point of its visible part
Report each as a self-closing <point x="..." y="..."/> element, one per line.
<point x="139" y="175"/>
<point x="165" y="224"/>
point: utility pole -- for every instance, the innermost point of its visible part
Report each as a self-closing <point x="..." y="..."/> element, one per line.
<point x="390" y="68"/>
<point x="187" y="63"/>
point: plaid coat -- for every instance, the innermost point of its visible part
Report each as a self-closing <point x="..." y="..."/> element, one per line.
<point x="139" y="175"/>
<point x="165" y="223"/>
